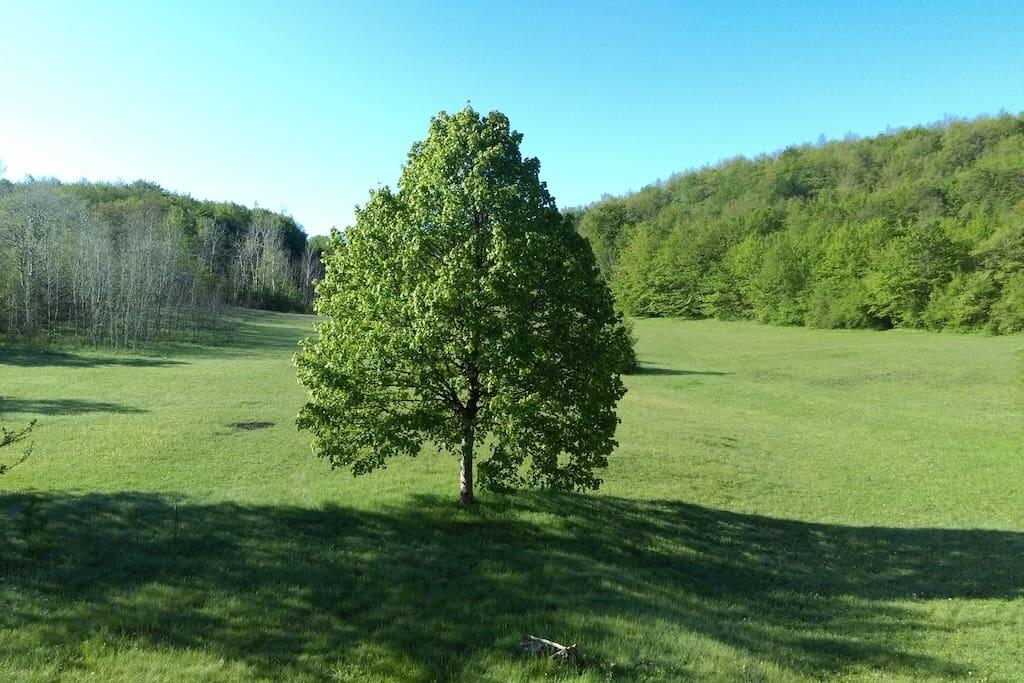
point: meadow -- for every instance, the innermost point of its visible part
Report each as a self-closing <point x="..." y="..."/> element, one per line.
<point x="786" y="504"/>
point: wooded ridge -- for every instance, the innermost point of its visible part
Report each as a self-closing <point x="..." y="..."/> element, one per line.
<point x="919" y="228"/>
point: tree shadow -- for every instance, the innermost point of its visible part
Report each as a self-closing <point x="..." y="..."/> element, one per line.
<point x="28" y="358"/>
<point x="63" y="406"/>
<point x="238" y="332"/>
<point x="428" y="591"/>
<point x="265" y="330"/>
<point x="246" y="331"/>
<point x="656" y="370"/>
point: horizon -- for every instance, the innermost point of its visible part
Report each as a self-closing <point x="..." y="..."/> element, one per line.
<point x="305" y="110"/>
<point x="821" y="141"/>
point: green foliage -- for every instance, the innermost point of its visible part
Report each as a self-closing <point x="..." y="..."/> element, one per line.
<point x="921" y="228"/>
<point x="639" y="281"/>
<point x="319" y="244"/>
<point x="915" y="264"/>
<point x="465" y="309"/>
<point x="604" y="226"/>
<point x="1008" y="311"/>
<point x="629" y="363"/>
<point x="963" y="303"/>
<point x="838" y="293"/>
<point x="114" y="202"/>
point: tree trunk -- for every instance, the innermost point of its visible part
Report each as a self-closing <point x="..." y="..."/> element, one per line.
<point x="466" y="471"/>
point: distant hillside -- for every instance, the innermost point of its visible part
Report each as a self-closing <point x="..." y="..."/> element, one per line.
<point x="113" y="201"/>
<point x="920" y="228"/>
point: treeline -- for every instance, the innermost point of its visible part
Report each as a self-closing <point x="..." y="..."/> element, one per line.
<point x="919" y="228"/>
<point x="118" y="264"/>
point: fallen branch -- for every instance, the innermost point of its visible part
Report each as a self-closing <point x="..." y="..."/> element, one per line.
<point x="554" y="651"/>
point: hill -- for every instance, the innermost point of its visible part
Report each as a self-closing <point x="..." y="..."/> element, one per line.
<point x="920" y="228"/>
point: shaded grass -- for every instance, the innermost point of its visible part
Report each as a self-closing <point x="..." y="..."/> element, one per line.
<point x="61" y="407"/>
<point x="436" y="591"/>
<point x="25" y="358"/>
<point x="786" y="504"/>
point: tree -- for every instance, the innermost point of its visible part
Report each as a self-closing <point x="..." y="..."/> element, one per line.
<point x="465" y="311"/>
<point x="36" y="222"/>
<point x="604" y="225"/>
<point x="309" y="269"/>
<point x="263" y="273"/>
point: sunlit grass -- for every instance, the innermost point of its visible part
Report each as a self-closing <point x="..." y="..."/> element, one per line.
<point x="786" y="504"/>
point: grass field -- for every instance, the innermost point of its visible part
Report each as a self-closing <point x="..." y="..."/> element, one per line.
<point x="786" y="504"/>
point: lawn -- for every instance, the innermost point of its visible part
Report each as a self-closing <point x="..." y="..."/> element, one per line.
<point x="786" y="504"/>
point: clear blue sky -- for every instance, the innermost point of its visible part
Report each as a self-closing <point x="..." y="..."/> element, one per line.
<point x="305" y="106"/>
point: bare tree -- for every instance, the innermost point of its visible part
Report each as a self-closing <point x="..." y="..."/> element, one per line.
<point x="262" y="271"/>
<point x="310" y="271"/>
<point x="36" y="223"/>
<point x="131" y="271"/>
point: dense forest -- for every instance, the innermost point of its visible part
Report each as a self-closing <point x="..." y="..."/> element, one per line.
<point x="919" y="228"/>
<point x="118" y="264"/>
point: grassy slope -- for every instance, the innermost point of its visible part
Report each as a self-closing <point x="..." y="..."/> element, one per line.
<point x="786" y="504"/>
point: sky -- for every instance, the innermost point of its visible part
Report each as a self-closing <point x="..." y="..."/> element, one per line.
<point x="306" y="106"/>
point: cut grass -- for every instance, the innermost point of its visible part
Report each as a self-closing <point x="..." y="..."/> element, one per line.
<point x="786" y="504"/>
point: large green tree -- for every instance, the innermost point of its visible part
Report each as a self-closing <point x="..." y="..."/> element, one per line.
<point x="464" y="310"/>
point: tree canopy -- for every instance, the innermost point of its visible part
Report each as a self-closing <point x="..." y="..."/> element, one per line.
<point x="916" y="228"/>
<point x="464" y="310"/>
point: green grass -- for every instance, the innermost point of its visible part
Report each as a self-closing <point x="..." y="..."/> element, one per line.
<point x="786" y="504"/>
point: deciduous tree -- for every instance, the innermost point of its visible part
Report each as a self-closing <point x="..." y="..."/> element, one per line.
<point x="464" y="310"/>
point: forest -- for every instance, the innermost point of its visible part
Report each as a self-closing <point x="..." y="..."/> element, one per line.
<point x="919" y="228"/>
<point x="120" y="264"/>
